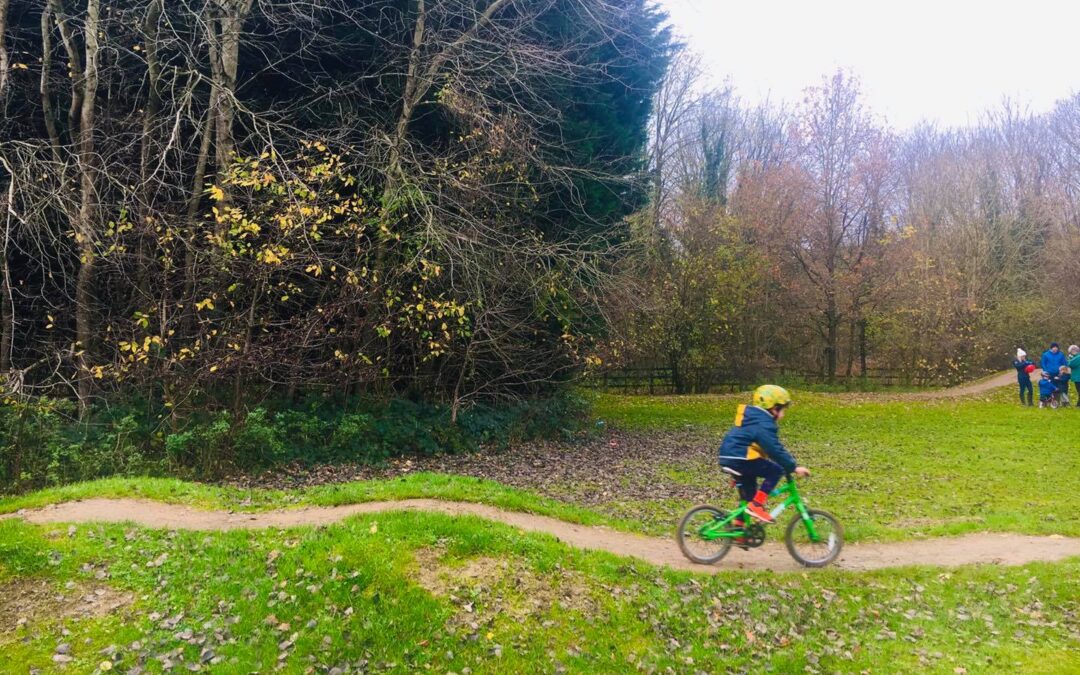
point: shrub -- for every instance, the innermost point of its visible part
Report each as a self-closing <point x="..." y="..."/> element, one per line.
<point x="42" y="443"/>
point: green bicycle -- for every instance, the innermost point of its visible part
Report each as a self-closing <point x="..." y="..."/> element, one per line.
<point x="813" y="538"/>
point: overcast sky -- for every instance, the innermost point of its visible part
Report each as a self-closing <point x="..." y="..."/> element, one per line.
<point x="941" y="60"/>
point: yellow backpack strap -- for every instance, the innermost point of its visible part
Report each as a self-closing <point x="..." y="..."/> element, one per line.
<point x="739" y="414"/>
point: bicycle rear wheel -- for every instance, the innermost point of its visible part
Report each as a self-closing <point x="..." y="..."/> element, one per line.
<point x="695" y="547"/>
<point x="815" y="553"/>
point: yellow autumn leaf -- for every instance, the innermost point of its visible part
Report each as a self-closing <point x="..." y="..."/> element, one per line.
<point x="269" y="256"/>
<point x="208" y="303"/>
<point x="216" y="193"/>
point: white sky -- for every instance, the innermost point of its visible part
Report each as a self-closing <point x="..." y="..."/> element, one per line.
<point x="941" y="60"/>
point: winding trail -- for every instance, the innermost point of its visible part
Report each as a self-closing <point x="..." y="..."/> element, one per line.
<point x="1001" y="549"/>
<point x="998" y="381"/>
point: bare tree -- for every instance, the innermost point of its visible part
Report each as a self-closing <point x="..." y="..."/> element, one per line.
<point x="673" y="108"/>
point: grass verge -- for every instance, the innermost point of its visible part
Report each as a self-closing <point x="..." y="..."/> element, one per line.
<point x="354" y="597"/>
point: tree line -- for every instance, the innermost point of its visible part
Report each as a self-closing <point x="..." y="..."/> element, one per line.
<point x="814" y="237"/>
<point x="209" y="202"/>
<point x="206" y="202"/>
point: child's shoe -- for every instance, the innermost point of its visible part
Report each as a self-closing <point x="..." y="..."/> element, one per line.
<point x="758" y="511"/>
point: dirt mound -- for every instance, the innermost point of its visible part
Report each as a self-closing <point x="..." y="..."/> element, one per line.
<point x="483" y="588"/>
<point x="1003" y="549"/>
<point x="24" y="602"/>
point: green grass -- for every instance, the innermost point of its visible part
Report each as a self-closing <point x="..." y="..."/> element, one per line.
<point x="893" y="468"/>
<point x="350" y="594"/>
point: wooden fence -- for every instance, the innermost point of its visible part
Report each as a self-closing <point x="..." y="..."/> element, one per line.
<point x="709" y="381"/>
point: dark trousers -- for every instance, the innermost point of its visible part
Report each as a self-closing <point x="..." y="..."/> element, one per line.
<point x="1025" y="385"/>
<point x="752" y="469"/>
<point x="1077" y="383"/>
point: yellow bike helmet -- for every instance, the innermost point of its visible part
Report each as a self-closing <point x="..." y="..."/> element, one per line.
<point x="768" y="396"/>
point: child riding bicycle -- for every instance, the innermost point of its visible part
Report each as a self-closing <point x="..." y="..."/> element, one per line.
<point x="751" y="449"/>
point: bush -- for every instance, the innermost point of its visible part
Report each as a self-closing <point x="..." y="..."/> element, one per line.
<point x="42" y="443"/>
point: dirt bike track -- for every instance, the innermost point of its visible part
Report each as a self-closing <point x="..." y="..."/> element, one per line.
<point x="986" y="548"/>
<point x="981" y="548"/>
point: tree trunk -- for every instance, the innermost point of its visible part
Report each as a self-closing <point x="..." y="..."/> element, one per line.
<point x="394" y="172"/>
<point x="7" y="310"/>
<point x="224" y="43"/>
<point x="862" y="346"/>
<point x="76" y="71"/>
<point x="144" y="226"/>
<point x="238" y="383"/>
<point x="832" y="337"/>
<point x="86" y="232"/>
<point x="46" y="96"/>
<point x="7" y="300"/>
<point x="3" y="52"/>
<point x="194" y="199"/>
<point x="850" y="365"/>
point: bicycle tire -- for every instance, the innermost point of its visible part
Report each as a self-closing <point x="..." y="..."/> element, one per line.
<point x="723" y="544"/>
<point x="835" y="546"/>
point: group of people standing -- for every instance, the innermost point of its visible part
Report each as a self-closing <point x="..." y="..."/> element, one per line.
<point x="1058" y="369"/>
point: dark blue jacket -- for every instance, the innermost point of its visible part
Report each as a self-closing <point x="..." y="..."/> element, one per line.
<point x="1047" y="388"/>
<point x="755" y="435"/>
<point x="1020" y="366"/>
<point x="1051" y="362"/>
<point x="1061" y="381"/>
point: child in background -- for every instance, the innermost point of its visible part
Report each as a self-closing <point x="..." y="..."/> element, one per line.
<point x="1024" y="366"/>
<point x="1047" y="389"/>
<point x="1061" y="381"/>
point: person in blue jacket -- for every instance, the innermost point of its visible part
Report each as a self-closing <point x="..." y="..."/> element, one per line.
<point x="1023" y="377"/>
<point x="1047" y="389"/>
<point x="1052" y="360"/>
<point x="752" y="449"/>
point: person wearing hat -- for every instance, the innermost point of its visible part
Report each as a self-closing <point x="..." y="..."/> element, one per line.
<point x="1052" y="360"/>
<point x="1024" y="368"/>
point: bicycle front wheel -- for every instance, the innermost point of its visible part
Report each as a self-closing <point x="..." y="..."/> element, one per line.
<point x="696" y="547"/>
<point x="810" y="552"/>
